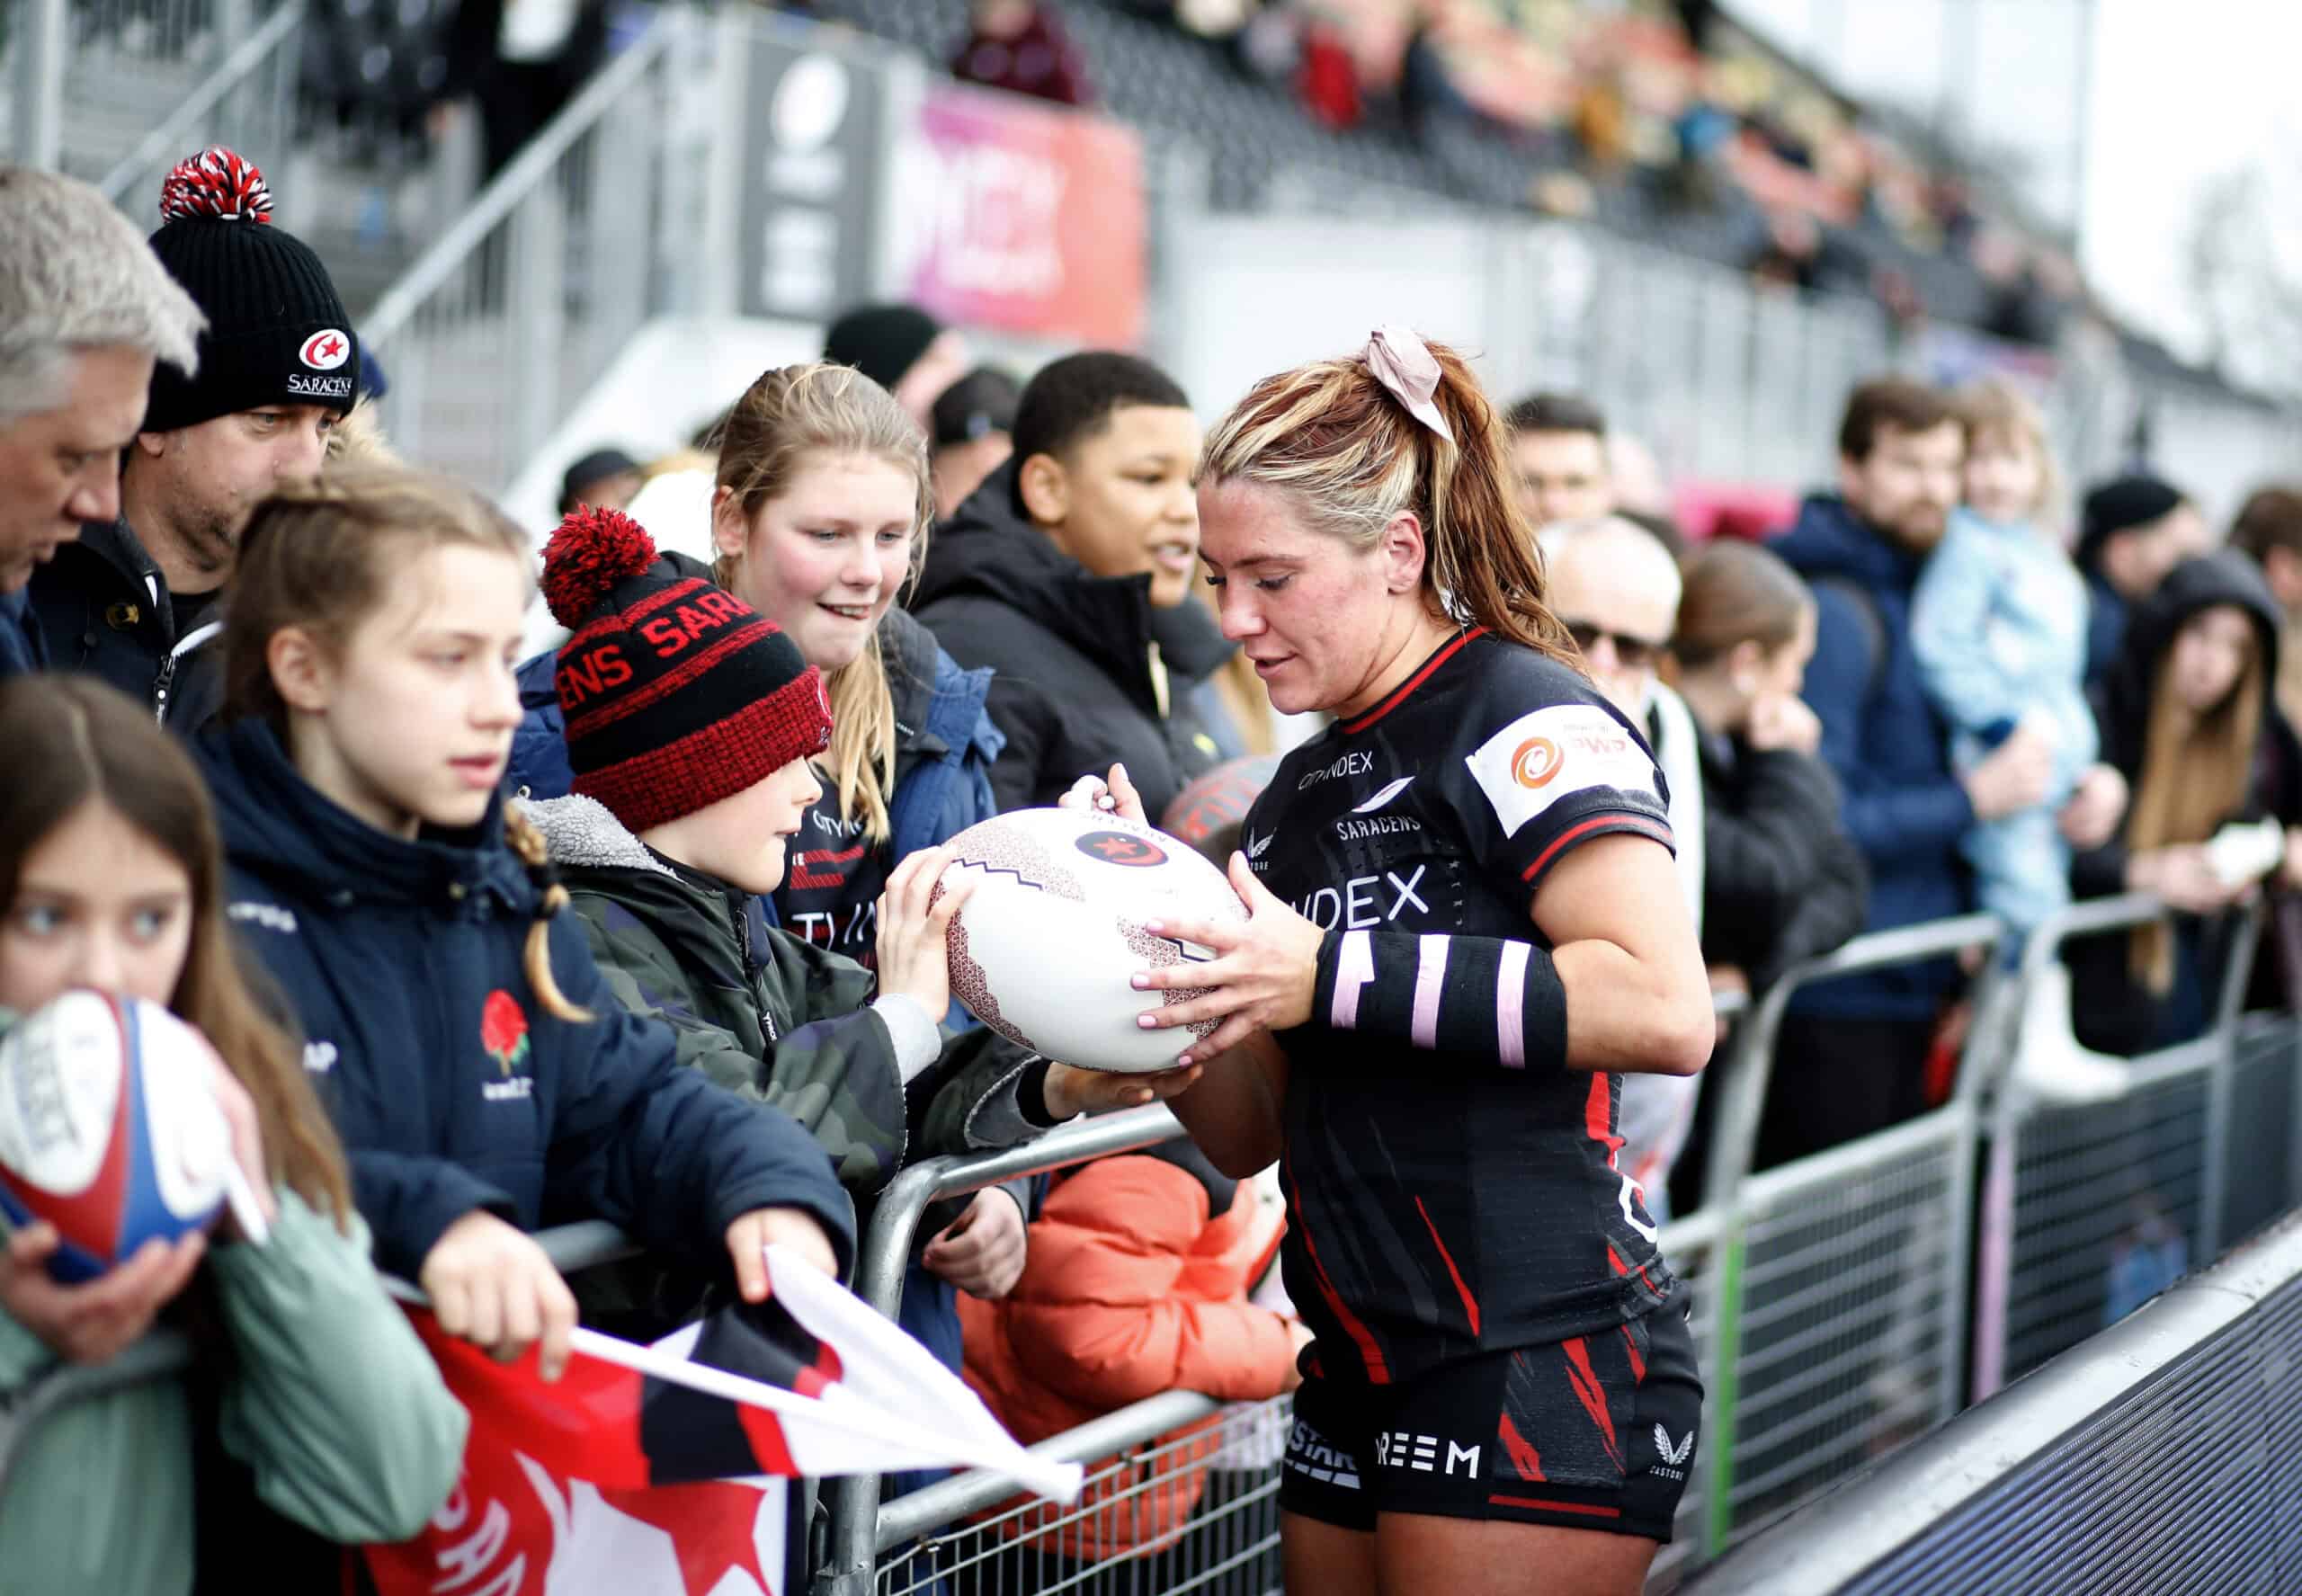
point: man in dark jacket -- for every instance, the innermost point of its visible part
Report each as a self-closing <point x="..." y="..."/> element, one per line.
<point x="134" y="601"/>
<point x="1853" y="1053"/>
<point x="86" y="311"/>
<point x="1068" y="573"/>
<point x="2131" y="532"/>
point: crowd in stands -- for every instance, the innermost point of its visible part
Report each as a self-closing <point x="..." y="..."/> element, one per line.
<point x="608" y="932"/>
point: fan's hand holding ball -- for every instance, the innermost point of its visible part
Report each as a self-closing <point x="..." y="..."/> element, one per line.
<point x="1262" y="977"/>
<point x="915" y="914"/>
<point x="1044" y="950"/>
<point x="112" y="1130"/>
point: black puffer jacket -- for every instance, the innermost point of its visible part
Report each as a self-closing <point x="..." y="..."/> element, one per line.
<point x="1781" y="882"/>
<point x="2110" y="1011"/>
<point x="103" y="608"/>
<point x="1074" y="689"/>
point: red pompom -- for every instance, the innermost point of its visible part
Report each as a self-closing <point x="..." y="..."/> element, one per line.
<point x="216" y="182"/>
<point x="592" y="551"/>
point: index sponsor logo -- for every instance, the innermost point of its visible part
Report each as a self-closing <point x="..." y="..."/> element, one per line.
<point x="1349" y="764"/>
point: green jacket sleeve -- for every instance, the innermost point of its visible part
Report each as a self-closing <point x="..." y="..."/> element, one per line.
<point x="837" y="1078"/>
<point x="333" y="1403"/>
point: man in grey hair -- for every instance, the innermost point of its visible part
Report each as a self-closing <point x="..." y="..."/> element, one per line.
<point x="86" y="311"/>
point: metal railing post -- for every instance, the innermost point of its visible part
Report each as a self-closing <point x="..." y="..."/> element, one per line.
<point x="2245" y="936"/>
<point x="39" y="110"/>
<point x="1734" y="1149"/>
<point x="534" y="295"/>
<point x="851" y="1544"/>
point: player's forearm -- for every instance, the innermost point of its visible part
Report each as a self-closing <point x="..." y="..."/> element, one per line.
<point x="1235" y="1113"/>
<point x="1506" y="1002"/>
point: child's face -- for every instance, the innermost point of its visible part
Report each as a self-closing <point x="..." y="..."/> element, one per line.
<point x="410" y="723"/>
<point x="1126" y="503"/>
<point x="2004" y="476"/>
<point x="825" y="557"/>
<point x="742" y="839"/>
<point x="98" y="904"/>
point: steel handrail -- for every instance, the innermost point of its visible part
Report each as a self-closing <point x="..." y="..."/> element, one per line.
<point x="1750" y="1064"/>
<point x="165" y="142"/>
<point x="912" y="1517"/>
<point x="528" y="171"/>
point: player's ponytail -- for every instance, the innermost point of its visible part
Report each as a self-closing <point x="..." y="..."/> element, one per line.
<point x="522" y="835"/>
<point x="1401" y="426"/>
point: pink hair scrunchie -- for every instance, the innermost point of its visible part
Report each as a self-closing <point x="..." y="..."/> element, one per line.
<point x="1403" y="364"/>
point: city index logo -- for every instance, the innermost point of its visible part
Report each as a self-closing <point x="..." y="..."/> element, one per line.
<point x="603" y="667"/>
<point x="1536" y="763"/>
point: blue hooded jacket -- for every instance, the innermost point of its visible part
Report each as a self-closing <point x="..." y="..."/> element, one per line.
<point x="452" y="1085"/>
<point x="1888" y="748"/>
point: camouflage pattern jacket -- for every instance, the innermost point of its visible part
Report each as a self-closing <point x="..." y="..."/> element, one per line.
<point x="767" y="1014"/>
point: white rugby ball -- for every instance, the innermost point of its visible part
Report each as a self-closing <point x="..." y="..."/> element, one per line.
<point x="109" y="1129"/>
<point x="1044" y="949"/>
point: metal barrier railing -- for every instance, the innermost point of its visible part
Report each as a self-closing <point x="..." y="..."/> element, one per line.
<point x="248" y="103"/>
<point x="508" y="319"/>
<point x="90" y="73"/>
<point x="2149" y="1464"/>
<point x="2066" y="1183"/>
<point x="1829" y="1297"/>
<point x="1839" y="1304"/>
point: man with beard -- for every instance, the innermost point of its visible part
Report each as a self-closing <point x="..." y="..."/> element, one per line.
<point x="1853" y="1053"/>
<point x="134" y="599"/>
<point x="84" y="311"/>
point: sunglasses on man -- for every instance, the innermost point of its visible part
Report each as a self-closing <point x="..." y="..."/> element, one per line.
<point x="1633" y="653"/>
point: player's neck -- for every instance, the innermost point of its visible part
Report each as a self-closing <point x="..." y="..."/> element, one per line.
<point x="1400" y="656"/>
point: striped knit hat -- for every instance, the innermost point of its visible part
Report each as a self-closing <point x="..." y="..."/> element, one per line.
<point x="278" y="333"/>
<point x="676" y="693"/>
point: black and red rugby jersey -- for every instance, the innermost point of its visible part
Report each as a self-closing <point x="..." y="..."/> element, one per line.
<point x="1442" y="1205"/>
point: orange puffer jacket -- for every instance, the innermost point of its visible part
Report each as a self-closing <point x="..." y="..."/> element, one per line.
<point x="1136" y="1283"/>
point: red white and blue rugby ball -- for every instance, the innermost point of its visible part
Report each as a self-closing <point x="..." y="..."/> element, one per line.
<point x="1044" y="950"/>
<point x="110" y="1129"/>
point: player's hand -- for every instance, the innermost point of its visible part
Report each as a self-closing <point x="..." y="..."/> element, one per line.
<point x="914" y="953"/>
<point x="1072" y="1091"/>
<point x="493" y="1286"/>
<point x="93" y="1322"/>
<point x="751" y="1235"/>
<point x="982" y="1250"/>
<point x="1114" y="795"/>
<point x="1262" y="977"/>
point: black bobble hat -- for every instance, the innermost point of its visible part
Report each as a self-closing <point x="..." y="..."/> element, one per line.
<point x="883" y="342"/>
<point x="277" y="333"/>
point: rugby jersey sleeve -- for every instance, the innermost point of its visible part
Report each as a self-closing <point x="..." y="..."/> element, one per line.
<point x="1542" y="771"/>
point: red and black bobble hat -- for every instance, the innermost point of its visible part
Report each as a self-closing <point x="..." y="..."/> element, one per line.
<point x="277" y="332"/>
<point x="676" y="693"/>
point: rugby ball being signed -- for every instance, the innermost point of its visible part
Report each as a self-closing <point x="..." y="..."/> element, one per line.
<point x="110" y="1129"/>
<point x="1043" y="951"/>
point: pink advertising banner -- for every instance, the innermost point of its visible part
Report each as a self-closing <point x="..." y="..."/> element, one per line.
<point x="1026" y="217"/>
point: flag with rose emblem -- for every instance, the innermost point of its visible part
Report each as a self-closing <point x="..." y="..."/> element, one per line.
<point x="662" y="1468"/>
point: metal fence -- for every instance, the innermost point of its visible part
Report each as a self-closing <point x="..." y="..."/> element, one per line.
<point x="1832" y="1298"/>
<point x="2086" y="1204"/>
<point x="248" y="103"/>
<point x="501" y="326"/>
<point x="84" y="78"/>
<point x="2151" y="1464"/>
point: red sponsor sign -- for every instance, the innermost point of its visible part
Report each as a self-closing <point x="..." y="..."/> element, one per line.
<point x="1023" y="217"/>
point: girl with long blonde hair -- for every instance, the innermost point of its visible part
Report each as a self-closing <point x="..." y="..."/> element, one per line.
<point x="2188" y="717"/>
